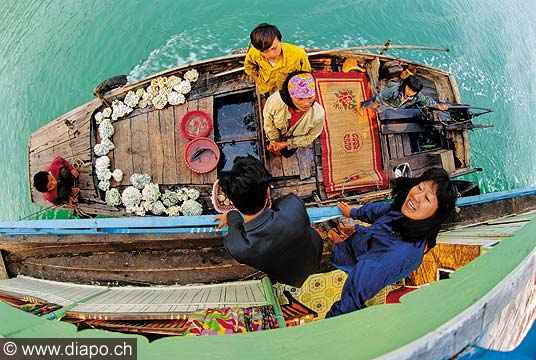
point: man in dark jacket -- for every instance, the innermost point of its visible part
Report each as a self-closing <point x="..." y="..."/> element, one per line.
<point x="277" y="240"/>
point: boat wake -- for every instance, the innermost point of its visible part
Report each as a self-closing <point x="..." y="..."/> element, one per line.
<point x="187" y="47"/>
<point x="199" y="44"/>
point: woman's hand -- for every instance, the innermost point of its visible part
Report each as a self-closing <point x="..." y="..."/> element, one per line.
<point x="223" y="221"/>
<point x="277" y="146"/>
<point x="280" y="145"/>
<point x="442" y="107"/>
<point x="344" y="208"/>
<point x="75" y="173"/>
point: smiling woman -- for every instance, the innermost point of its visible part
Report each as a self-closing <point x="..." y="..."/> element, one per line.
<point x="394" y="244"/>
<point x="421" y="202"/>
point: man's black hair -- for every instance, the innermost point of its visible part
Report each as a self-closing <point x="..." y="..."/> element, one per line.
<point x="413" y="82"/>
<point x="246" y="184"/>
<point x="40" y="181"/>
<point x="263" y="36"/>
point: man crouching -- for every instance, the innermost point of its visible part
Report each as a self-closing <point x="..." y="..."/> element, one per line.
<point x="276" y="240"/>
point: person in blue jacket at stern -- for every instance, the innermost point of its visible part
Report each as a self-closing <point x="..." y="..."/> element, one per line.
<point x="395" y="243"/>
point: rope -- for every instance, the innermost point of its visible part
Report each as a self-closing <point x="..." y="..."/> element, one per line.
<point x="39" y="212"/>
<point x="77" y="165"/>
<point x="75" y="205"/>
<point x="355" y="176"/>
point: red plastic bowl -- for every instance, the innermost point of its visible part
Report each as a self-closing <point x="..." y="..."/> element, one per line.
<point x="202" y="155"/>
<point x="196" y="124"/>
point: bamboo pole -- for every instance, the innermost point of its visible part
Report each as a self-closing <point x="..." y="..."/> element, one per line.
<point x="373" y="47"/>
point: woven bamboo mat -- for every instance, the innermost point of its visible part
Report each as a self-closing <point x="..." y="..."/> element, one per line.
<point x="351" y="156"/>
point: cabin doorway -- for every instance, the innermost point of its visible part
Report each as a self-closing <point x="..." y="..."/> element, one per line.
<point x="235" y="127"/>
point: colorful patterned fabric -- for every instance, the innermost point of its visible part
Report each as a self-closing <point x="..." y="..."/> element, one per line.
<point x="317" y="293"/>
<point x="39" y="309"/>
<point x="301" y="86"/>
<point x="231" y="321"/>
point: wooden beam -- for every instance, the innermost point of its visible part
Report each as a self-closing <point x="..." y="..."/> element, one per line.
<point x="402" y="128"/>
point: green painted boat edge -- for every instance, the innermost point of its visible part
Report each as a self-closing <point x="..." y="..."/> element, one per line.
<point x="364" y="334"/>
<point x="270" y="297"/>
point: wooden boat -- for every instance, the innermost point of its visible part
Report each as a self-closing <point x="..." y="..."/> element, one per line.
<point x="150" y="141"/>
<point x="489" y="302"/>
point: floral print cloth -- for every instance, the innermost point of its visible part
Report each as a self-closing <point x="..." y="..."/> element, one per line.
<point x="231" y="320"/>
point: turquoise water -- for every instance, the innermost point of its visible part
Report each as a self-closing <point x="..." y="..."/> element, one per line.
<point x="52" y="54"/>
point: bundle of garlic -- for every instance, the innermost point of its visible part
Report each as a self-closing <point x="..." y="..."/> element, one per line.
<point x="191" y="75"/>
<point x="131" y="99"/>
<point x="113" y="198"/>
<point x="191" y="208"/>
<point x="223" y="198"/>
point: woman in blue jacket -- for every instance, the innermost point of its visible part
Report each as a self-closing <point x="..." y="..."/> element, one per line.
<point x="395" y="243"/>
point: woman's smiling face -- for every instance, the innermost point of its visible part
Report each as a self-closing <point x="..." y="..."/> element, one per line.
<point x="421" y="202"/>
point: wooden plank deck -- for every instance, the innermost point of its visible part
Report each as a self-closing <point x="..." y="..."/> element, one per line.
<point x="170" y="301"/>
<point x="153" y="143"/>
<point x="50" y="291"/>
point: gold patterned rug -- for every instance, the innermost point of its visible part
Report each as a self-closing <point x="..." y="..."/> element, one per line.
<point x="351" y="156"/>
<point x="320" y="291"/>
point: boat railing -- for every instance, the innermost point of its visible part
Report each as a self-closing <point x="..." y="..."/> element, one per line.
<point x="185" y="224"/>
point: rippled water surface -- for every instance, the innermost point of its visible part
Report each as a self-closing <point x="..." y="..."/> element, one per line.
<point x="52" y="54"/>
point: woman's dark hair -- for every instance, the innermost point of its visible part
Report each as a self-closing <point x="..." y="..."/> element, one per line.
<point x="246" y="184"/>
<point x="413" y="82"/>
<point x="263" y="36"/>
<point x="40" y="181"/>
<point x="285" y="96"/>
<point x="427" y="229"/>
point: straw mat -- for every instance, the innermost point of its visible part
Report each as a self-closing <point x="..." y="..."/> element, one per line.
<point x="351" y="157"/>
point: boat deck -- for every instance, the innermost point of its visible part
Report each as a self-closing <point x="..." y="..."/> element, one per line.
<point x="150" y="140"/>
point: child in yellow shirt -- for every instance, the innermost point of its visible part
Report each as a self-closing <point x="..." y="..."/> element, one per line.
<point x="269" y="61"/>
